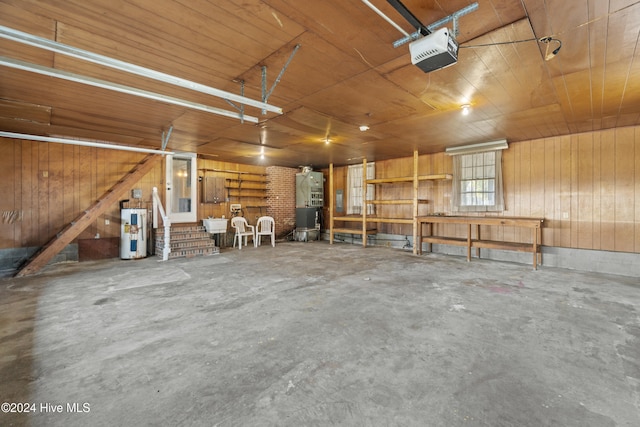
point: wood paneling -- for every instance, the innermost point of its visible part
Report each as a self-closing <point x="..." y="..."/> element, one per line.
<point x="345" y="74"/>
<point x="585" y="186"/>
<point x="51" y="184"/>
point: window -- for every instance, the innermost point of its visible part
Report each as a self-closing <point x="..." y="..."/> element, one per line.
<point x="354" y="189"/>
<point x="477" y="185"/>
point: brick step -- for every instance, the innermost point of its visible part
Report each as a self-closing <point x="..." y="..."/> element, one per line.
<point x="182" y="229"/>
<point x="190" y="253"/>
<point x="187" y="242"/>
<point x="175" y="231"/>
<point x="185" y="235"/>
<point x="183" y="244"/>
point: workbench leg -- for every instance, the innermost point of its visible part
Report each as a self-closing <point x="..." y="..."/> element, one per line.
<point x="468" y="242"/>
<point x="539" y="248"/>
<point x="534" y="235"/>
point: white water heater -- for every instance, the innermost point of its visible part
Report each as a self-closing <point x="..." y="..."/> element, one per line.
<point x="133" y="233"/>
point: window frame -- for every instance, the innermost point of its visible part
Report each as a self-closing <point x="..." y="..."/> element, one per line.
<point x="467" y="168"/>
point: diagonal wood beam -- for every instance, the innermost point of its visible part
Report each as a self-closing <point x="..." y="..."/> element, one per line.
<point x="73" y="230"/>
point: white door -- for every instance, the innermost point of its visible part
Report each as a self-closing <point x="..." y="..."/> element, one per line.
<point x="182" y="184"/>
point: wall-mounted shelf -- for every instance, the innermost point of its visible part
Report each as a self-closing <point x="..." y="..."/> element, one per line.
<point x="366" y="220"/>
<point x="242" y="186"/>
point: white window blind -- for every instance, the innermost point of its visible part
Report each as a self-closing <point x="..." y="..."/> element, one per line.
<point x="354" y="188"/>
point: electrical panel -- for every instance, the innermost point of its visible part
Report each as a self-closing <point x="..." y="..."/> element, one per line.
<point x="309" y="189"/>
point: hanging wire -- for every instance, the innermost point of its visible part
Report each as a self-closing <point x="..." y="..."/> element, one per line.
<point x="548" y="39"/>
<point x="496" y="43"/>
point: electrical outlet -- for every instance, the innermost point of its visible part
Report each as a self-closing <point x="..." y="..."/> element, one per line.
<point x="565" y="215"/>
<point x="106" y="222"/>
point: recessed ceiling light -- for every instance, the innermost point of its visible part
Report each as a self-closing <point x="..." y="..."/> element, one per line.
<point x="364" y="128"/>
<point x="466" y="108"/>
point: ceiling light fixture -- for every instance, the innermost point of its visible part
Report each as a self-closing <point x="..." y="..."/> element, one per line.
<point x="478" y="148"/>
<point x="466" y="109"/>
<point x="364" y="128"/>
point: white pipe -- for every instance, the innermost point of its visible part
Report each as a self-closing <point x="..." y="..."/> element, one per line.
<point x="65" y="75"/>
<point x="80" y="142"/>
<point x="43" y="43"/>
<point x="385" y="17"/>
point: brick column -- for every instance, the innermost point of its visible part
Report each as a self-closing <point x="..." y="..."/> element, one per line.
<point x="281" y="198"/>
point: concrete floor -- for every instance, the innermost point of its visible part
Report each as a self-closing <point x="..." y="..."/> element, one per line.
<point x="308" y="334"/>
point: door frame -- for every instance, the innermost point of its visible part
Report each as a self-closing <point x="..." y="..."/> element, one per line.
<point x="181" y="217"/>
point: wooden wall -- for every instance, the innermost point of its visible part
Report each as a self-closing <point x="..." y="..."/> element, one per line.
<point x="586" y="187"/>
<point x="49" y="185"/>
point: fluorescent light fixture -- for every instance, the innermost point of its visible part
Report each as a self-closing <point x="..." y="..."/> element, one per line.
<point x="478" y="148"/>
<point x="53" y="46"/>
<point x="81" y="142"/>
<point x="78" y="78"/>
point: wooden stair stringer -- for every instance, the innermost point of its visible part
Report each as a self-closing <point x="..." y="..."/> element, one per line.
<point x="73" y="230"/>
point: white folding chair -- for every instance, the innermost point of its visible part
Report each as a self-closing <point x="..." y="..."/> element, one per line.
<point x="265" y="227"/>
<point x="243" y="229"/>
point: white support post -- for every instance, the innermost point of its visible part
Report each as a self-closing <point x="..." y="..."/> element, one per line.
<point x="157" y="207"/>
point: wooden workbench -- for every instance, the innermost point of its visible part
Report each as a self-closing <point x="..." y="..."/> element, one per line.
<point x="474" y="222"/>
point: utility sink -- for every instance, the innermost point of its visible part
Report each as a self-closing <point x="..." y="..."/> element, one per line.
<point x="215" y="225"/>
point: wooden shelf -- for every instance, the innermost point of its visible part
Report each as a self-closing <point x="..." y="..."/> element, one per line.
<point x="354" y="231"/>
<point x="365" y="219"/>
<point x="348" y="218"/>
<point x="396" y="202"/>
<point x="390" y="180"/>
<point x="390" y="220"/>
<point x="247" y="192"/>
<point x="374" y="219"/>
<point x="435" y="177"/>
<point x="240" y="185"/>
<point x="409" y="178"/>
<point x="441" y="240"/>
<point x="508" y="246"/>
<point x="257" y="181"/>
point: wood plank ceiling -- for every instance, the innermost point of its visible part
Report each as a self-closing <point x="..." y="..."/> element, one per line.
<point x="346" y="73"/>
